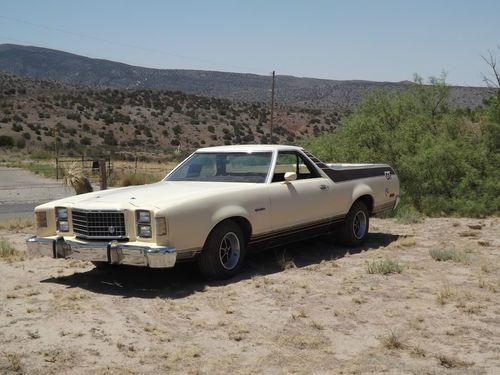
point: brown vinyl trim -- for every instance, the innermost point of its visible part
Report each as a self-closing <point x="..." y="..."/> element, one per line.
<point x="341" y="175"/>
<point x="384" y="207"/>
<point x="296" y="229"/>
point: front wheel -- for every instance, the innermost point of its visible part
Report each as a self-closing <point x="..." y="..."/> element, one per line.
<point x="354" y="229"/>
<point x="223" y="252"/>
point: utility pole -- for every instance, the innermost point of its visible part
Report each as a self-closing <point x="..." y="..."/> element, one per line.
<point x="272" y="109"/>
<point x="56" y="150"/>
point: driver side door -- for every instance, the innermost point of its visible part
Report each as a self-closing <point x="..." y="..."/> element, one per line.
<point x="300" y="203"/>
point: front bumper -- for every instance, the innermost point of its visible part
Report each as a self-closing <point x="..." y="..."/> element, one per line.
<point x="111" y="252"/>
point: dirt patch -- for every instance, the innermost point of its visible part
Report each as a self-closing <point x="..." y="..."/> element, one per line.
<point x="324" y="314"/>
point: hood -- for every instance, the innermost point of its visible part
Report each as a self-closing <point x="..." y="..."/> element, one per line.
<point x="158" y="195"/>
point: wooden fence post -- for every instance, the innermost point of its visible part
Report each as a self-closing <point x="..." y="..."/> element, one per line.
<point x="103" y="174"/>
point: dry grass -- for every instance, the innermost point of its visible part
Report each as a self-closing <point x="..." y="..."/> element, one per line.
<point x="445" y="294"/>
<point x="126" y="174"/>
<point x="14" y="362"/>
<point x="17" y="223"/>
<point x="443" y="255"/>
<point x="7" y="251"/>
<point x="407" y="242"/>
<point x="392" y="340"/>
<point x="384" y="267"/>
<point x="469" y="233"/>
<point x="406" y="215"/>
<point x="417" y="350"/>
<point x="285" y="262"/>
<point x="449" y="362"/>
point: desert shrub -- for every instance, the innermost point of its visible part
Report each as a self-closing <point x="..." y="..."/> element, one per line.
<point x="406" y="214"/>
<point x="443" y="255"/>
<point x="6" y="249"/>
<point x="384" y="267"/>
<point x="86" y="141"/>
<point x="446" y="162"/>
<point x="177" y="129"/>
<point x="39" y="154"/>
<point x="74" y="116"/>
<point x="17" y="127"/>
<point x="109" y="139"/>
<point x="21" y="143"/>
<point x="6" y="141"/>
<point x="129" y="179"/>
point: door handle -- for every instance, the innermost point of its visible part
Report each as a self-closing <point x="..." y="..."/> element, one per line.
<point x="323" y="187"/>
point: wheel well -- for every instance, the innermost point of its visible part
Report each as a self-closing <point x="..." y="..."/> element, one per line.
<point x="243" y="223"/>
<point x="368" y="201"/>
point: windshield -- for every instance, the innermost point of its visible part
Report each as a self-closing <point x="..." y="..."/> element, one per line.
<point x="224" y="167"/>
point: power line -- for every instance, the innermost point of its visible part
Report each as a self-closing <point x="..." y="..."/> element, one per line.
<point x="128" y="45"/>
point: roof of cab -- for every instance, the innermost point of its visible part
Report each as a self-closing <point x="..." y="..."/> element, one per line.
<point x="249" y="148"/>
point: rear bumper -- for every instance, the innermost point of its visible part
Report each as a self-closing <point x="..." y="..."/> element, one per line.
<point x="111" y="252"/>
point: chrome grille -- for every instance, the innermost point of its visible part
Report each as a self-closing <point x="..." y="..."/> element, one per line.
<point x="99" y="224"/>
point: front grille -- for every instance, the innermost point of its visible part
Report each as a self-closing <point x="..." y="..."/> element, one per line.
<point x="98" y="224"/>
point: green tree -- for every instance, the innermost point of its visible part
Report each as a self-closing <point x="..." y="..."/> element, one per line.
<point x="446" y="162"/>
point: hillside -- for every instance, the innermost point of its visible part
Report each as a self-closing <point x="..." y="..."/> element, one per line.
<point x="151" y="121"/>
<point x="47" y="64"/>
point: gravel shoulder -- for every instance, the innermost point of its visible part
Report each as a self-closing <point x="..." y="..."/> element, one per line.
<point x="308" y="308"/>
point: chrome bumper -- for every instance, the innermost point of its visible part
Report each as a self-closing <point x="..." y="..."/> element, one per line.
<point x="111" y="252"/>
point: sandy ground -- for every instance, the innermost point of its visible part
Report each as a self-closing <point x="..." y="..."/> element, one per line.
<point x="309" y="308"/>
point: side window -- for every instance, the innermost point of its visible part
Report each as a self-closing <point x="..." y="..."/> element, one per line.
<point x="292" y="162"/>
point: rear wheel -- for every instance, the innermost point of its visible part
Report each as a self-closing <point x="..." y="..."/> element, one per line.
<point x="354" y="229"/>
<point x="223" y="252"/>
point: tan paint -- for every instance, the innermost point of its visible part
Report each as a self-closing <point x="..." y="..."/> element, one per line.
<point x="193" y="209"/>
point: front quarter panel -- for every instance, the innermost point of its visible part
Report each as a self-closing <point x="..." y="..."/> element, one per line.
<point x="190" y="222"/>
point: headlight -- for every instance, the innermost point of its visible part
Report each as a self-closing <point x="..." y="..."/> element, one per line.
<point x="143" y="219"/>
<point x="61" y="213"/>
<point x="41" y="219"/>
<point x="62" y="223"/>
<point x="62" y="226"/>
<point x="143" y="216"/>
<point x="144" y="230"/>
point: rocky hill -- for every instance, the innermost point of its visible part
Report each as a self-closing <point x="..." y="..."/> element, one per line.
<point x="47" y="64"/>
<point x="34" y="112"/>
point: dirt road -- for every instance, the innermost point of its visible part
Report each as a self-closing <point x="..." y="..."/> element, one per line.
<point x="312" y="309"/>
<point x="21" y="191"/>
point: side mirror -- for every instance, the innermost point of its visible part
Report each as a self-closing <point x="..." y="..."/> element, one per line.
<point x="290" y="176"/>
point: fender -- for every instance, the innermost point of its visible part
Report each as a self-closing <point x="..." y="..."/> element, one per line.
<point x="360" y="190"/>
<point x="227" y="212"/>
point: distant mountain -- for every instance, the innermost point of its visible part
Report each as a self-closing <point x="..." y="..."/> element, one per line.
<point x="48" y="64"/>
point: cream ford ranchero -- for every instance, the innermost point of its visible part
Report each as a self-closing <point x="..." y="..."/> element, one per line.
<point x="215" y="206"/>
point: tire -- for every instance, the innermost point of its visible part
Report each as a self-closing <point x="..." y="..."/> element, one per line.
<point x="224" y="252"/>
<point x="354" y="229"/>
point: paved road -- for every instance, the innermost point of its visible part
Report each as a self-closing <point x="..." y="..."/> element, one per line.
<point x="21" y="191"/>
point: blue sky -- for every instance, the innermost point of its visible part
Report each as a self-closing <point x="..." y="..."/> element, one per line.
<point x="358" y="39"/>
